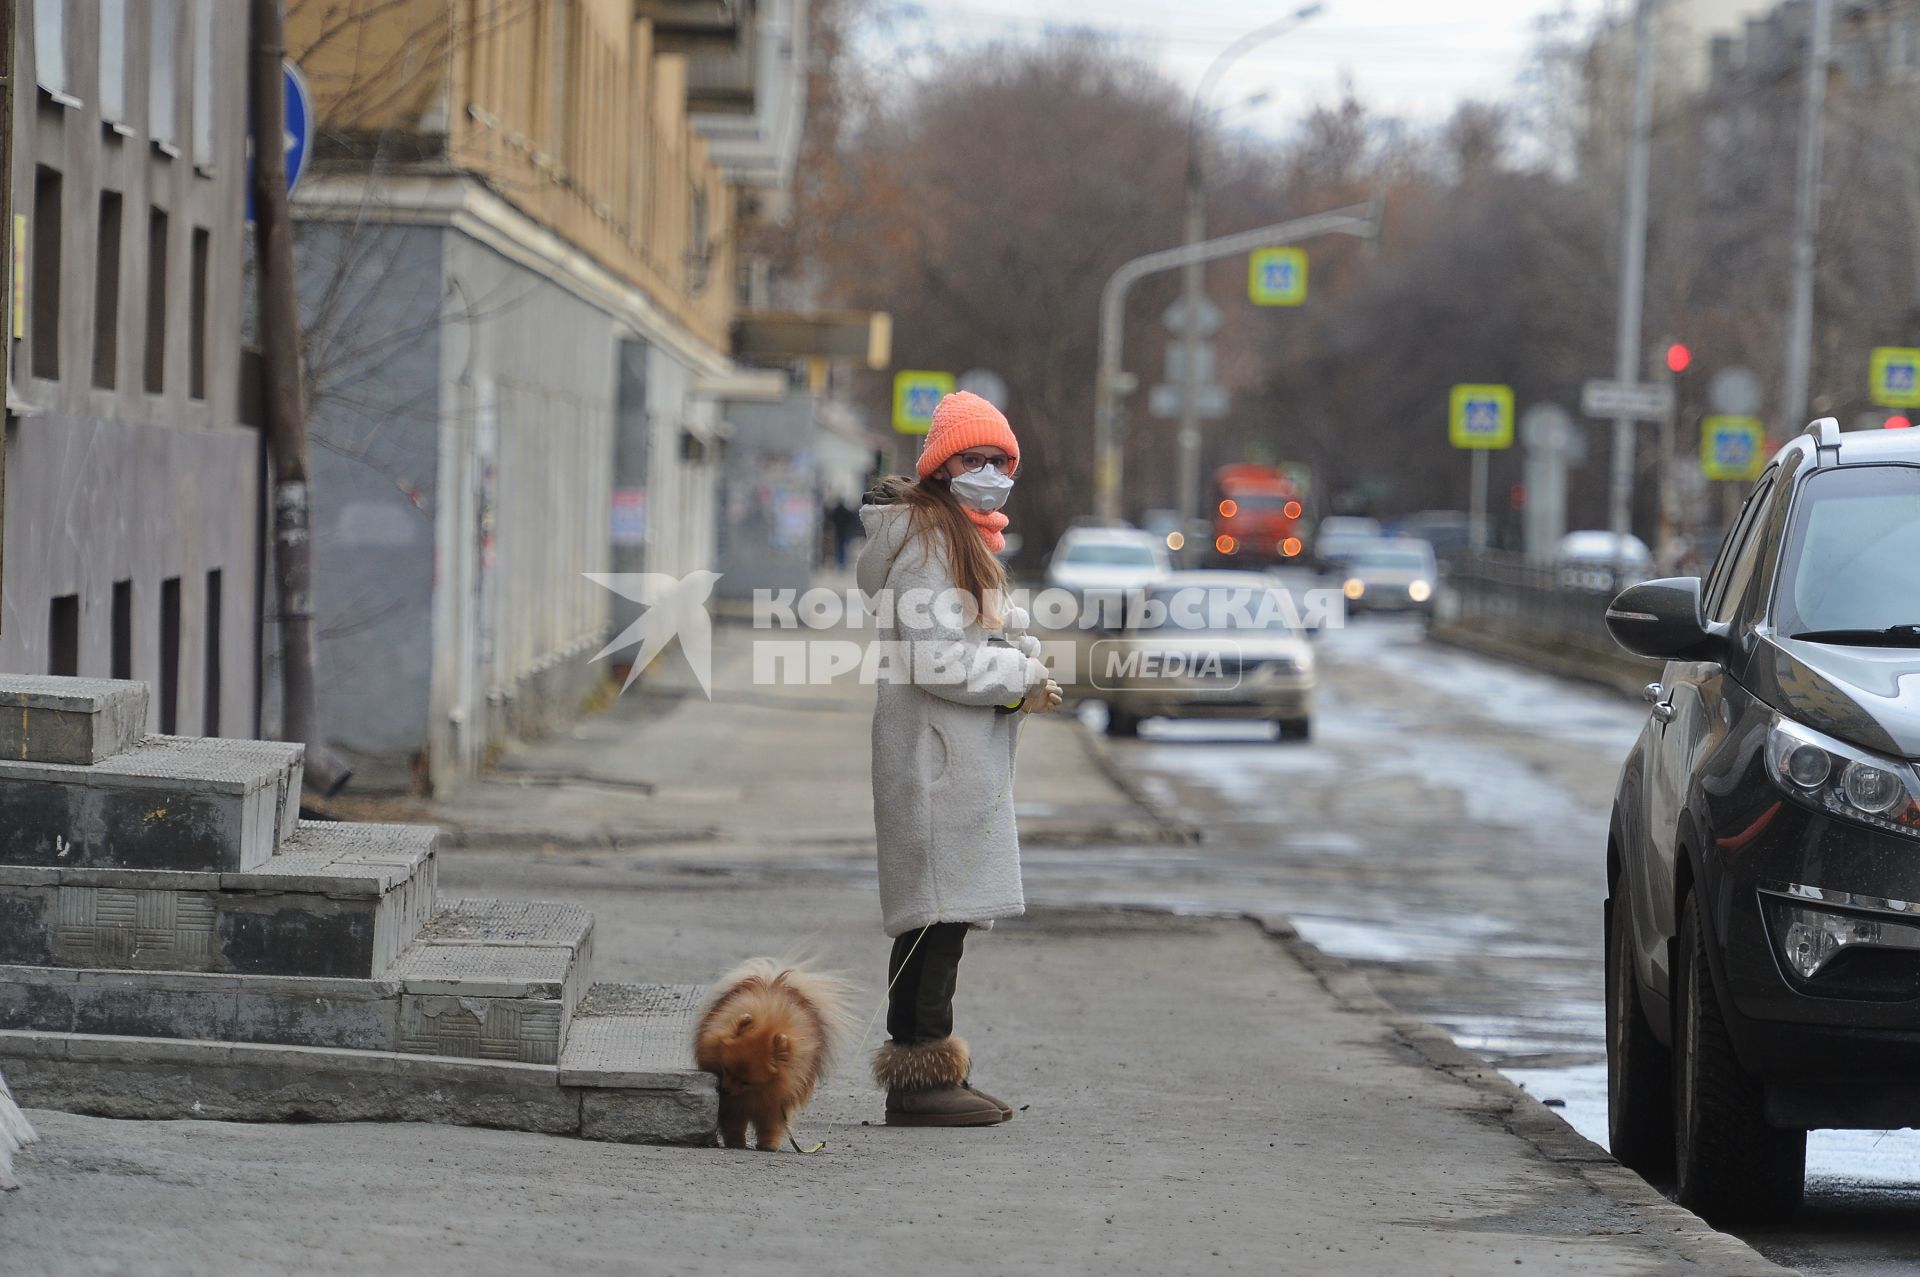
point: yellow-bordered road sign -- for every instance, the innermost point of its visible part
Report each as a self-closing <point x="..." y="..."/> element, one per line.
<point x="1895" y="375"/>
<point x="1733" y="448"/>
<point x="915" y="395"/>
<point x="1480" y="416"/>
<point x="1277" y="277"/>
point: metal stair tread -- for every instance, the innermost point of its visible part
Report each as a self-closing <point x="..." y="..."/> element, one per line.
<point x="323" y="858"/>
<point x="530" y="923"/>
<point x="205" y="764"/>
<point x="59" y="692"/>
<point x="484" y="971"/>
<point x="632" y="1036"/>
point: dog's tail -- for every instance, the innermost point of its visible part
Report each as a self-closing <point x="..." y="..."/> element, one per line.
<point x="828" y="994"/>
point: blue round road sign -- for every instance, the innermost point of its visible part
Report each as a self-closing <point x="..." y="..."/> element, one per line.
<point x="299" y="126"/>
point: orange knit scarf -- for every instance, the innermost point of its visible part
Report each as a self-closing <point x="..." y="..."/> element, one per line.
<point x="992" y="528"/>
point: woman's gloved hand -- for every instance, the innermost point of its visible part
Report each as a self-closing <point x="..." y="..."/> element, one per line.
<point x="1044" y="699"/>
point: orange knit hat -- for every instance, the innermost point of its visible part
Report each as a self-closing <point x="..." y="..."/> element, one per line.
<point x="961" y="421"/>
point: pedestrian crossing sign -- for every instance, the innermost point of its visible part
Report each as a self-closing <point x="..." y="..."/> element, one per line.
<point x="1895" y="373"/>
<point x="1732" y="448"/>
<point x="915" y="396"/>
<point x="1277" y="277"/>
<point x="1480" y="416"/>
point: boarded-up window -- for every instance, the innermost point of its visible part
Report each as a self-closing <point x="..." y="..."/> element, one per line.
<point x="106" y="293"/>
<point x="44" y="279"/>
<point x="156" y="362"/>
<point x="197" y="318"/>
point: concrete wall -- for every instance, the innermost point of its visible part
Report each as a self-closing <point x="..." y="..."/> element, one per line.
<point x="528" y="375"/>
<point x="120" y="482"/>
<point x="465" y="419"/>
<point x="371" y="301"/>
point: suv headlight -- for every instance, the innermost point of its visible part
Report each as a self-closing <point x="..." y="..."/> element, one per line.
<point x="1882" y="792"/>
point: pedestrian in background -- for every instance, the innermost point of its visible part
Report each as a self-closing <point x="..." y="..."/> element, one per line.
<point x="943" y="746"/>
<point x="842" y="523"/>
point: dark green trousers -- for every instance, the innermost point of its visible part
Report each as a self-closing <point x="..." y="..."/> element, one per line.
<point x="924" y="971"/>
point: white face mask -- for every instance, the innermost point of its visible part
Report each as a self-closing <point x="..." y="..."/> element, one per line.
<point x="984" y="490"/>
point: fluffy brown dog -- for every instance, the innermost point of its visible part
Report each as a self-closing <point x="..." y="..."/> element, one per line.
<point x="769" y="1032"/>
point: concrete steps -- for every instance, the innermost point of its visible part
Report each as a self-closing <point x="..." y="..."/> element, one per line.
<point x="175" y="942"/>
<point x="164" y="803"/>
<point x="338" y="900"/>
<point x="634" y="1087"/>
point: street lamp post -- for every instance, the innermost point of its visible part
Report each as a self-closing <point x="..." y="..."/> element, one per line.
<point x="1110" y="383"/>
<point x="1806" y="220"/>
<point x="1193" y="273"/>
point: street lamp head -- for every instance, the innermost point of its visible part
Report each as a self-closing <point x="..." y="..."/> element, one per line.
<point x="1306" y="11"/>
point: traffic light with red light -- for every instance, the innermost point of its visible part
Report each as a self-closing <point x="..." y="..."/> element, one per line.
<point x="1679" y="358"/>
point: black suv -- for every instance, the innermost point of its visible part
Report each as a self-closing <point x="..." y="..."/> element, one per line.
<point x="1763" y="863"/>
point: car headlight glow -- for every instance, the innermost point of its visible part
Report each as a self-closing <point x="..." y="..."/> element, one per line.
<point x="1849" y="782"/>
<point x="1420" y="591"/>
<point x="1354" y="587"/>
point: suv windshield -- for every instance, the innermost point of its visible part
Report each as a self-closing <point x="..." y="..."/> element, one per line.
<point x="1392" y="560"/>
<point x="1110" y="554"/>
<point x="1853" y="559"/>
<point x="1217" y="609"/>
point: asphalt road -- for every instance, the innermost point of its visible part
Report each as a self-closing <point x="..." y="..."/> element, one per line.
<point x="1444" y="830"/>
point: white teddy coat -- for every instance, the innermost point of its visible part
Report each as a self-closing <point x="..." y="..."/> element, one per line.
<point x="942" y="756"/>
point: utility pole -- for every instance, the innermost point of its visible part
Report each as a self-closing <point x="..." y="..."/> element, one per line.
<point x="1806" y="222"/>
<point x="1633" y="271"/>
<point x="1194" y="296"/>
<point x="1193" y="283"/>
<point x="287" y="446"/>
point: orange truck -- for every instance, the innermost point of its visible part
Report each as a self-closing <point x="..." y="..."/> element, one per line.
<point x="1256" y="515"/>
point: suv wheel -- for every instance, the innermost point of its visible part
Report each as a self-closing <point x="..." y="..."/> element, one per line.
<point x="1730" y="1166"/>
<point x="1639" y="1069"/>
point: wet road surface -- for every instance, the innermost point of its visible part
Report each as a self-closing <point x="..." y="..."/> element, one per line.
<point x="1444" y="830"/>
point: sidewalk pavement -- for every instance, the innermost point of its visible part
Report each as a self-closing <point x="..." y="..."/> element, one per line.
<point x="1195" y="1095"/>
<point x="756" y="771"/>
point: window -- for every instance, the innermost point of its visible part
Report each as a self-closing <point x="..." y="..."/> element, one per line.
<point x="197" y="318"/>
<point x="210" y="708"/>
<point x="113" y="64"/>
<point x="45" y="275"/>
<point x="1853" y="557"/>
<point x="63" y="636"/>
<point x="156" y="376"/>
<point x="122" y="629"/>
<point x="170" y="656"/>
<point x="201" y="77"/>
<point x="163" y="112"/>
<point x="50" y="49"/>
<point x="106" y="293"/>
<point x="1746" y="552"/>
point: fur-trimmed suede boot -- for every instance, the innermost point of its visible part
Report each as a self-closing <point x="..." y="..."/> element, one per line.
<point x="926" y="1085"/>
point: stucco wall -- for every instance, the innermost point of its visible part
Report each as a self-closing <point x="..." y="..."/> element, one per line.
<point x="123" y="482"/>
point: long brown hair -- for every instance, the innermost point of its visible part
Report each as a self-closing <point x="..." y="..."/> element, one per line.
<point x="933" y="512"/>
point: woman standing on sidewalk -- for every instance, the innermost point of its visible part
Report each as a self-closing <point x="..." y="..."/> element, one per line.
<point x="944" y="743"/>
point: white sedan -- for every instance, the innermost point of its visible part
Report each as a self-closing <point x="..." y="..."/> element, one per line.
<point x="1208" y="645"/>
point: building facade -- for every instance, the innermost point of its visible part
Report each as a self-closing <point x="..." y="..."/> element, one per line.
<point x="133" y="511"/>
<point x="517" y="273"/>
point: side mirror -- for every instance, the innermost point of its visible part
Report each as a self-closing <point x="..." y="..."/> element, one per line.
<point x="1664" y="619"/>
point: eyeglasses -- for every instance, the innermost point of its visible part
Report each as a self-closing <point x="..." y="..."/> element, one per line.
<point x="976" y="461"/>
